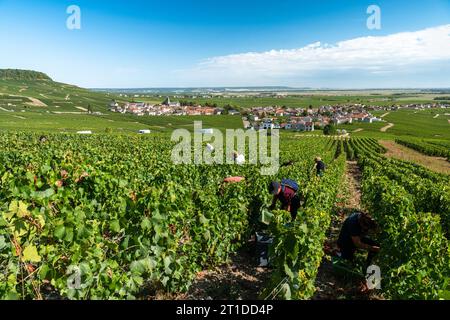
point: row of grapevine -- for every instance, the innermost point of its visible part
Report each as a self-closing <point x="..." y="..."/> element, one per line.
<point x="118" y="211"/>
<point x="425" y="147"/>
<point x="121" y="213"/>
<point x="298" y="246"/>
<point x="415" y="256"/>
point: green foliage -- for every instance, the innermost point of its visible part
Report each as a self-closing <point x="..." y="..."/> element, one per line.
<point x="329" y="130"/>
<point x="297" y="251"/>
<point x="15" y="74"/>
<point x="415" y="256"/>
<point x="116" y="209"/>
<point x="425" y="147"/>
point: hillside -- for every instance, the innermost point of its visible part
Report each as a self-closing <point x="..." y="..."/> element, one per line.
<point x="25" y="90"/>
<point x="16" y="74"/>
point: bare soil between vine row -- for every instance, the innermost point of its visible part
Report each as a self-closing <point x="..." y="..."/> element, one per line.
<point x="329" y="284"/>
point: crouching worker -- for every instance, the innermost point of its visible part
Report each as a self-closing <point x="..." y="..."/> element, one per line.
<point x="353" y="236"/>
<point x="287" y="193"/>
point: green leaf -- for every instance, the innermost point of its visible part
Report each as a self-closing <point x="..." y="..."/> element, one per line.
<point x="44" y="194"/>
<point x="304" y="228"/>
<point x="114" y="226"/>
<point x="17" y="208"/>
<point x="291" y="246"/>
<point x="137" y="267"/>
<point x="2" y="243"/>
<point x="30" y="254"/>
<point x="43" y="272"/>
<point x="288" y="271"/>
<point x="146" y="224"/>
<point x="203" y="220"/>
<point x="167" y="262"/>
<point x="207" y="235"/>
<point x="69" y="235"/>
<point x="12" y="296"/>
<point x="60" y="231"/>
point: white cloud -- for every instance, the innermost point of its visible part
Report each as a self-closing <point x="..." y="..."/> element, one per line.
<point x="374" y="56"/>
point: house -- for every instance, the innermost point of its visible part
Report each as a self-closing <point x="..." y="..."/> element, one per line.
<point x="360" y="117"/>
<point x="145" y="131"/>
<point x="207" y="111"/>
<point x="113" y="106"/>
<point x="304" y="126"/>
<point x="267" y="125"/>
<point x="342" y="120"/>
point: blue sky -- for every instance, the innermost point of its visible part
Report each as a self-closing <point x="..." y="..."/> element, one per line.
<point x="167" y="43"/>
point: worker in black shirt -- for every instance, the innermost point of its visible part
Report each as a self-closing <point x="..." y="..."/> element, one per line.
<point x="353" y="236"/>
<point x="320" y="167"/>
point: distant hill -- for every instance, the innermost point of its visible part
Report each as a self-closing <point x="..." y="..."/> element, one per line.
<point x="16" y="74"/>
<point x="31" y="90"/>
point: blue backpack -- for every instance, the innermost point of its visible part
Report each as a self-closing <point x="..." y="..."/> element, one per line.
<point x="289" y="183"/>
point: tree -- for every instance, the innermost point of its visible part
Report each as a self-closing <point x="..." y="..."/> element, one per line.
<point x="329" y="130"/>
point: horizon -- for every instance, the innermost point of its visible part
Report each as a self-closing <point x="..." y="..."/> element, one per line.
<point x="246" y="87"/>
<point x="321" y="46"/>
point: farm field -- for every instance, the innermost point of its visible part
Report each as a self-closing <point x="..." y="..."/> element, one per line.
<point x="304" y="100"/>
<point x="114" y="208"/>
<point x="408" y="123"/>
<point x="401" y="152"/>
<point x="133" y="222"/>
<point x="114" y="123"/>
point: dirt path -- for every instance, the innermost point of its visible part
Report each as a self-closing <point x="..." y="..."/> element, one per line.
<point x="330" y="285"/>
<point x="384" y="129"/>
<point x="436" y="116"/>
<point x="358" y="130"/>
<point x="398" y="151"/>
<point x="240" y="279"/>
<point x="36" y="102"/>
<point x="384" y="115"/>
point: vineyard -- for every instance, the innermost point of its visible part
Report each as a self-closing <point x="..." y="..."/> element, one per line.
<point x="412" y="205"/>
<point x="431" y="148"/>
<point x="118" y="210"/>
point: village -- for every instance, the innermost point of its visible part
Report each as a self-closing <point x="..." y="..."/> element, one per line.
<point x="168" y="108"/>
<point x="272" y="117"/>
